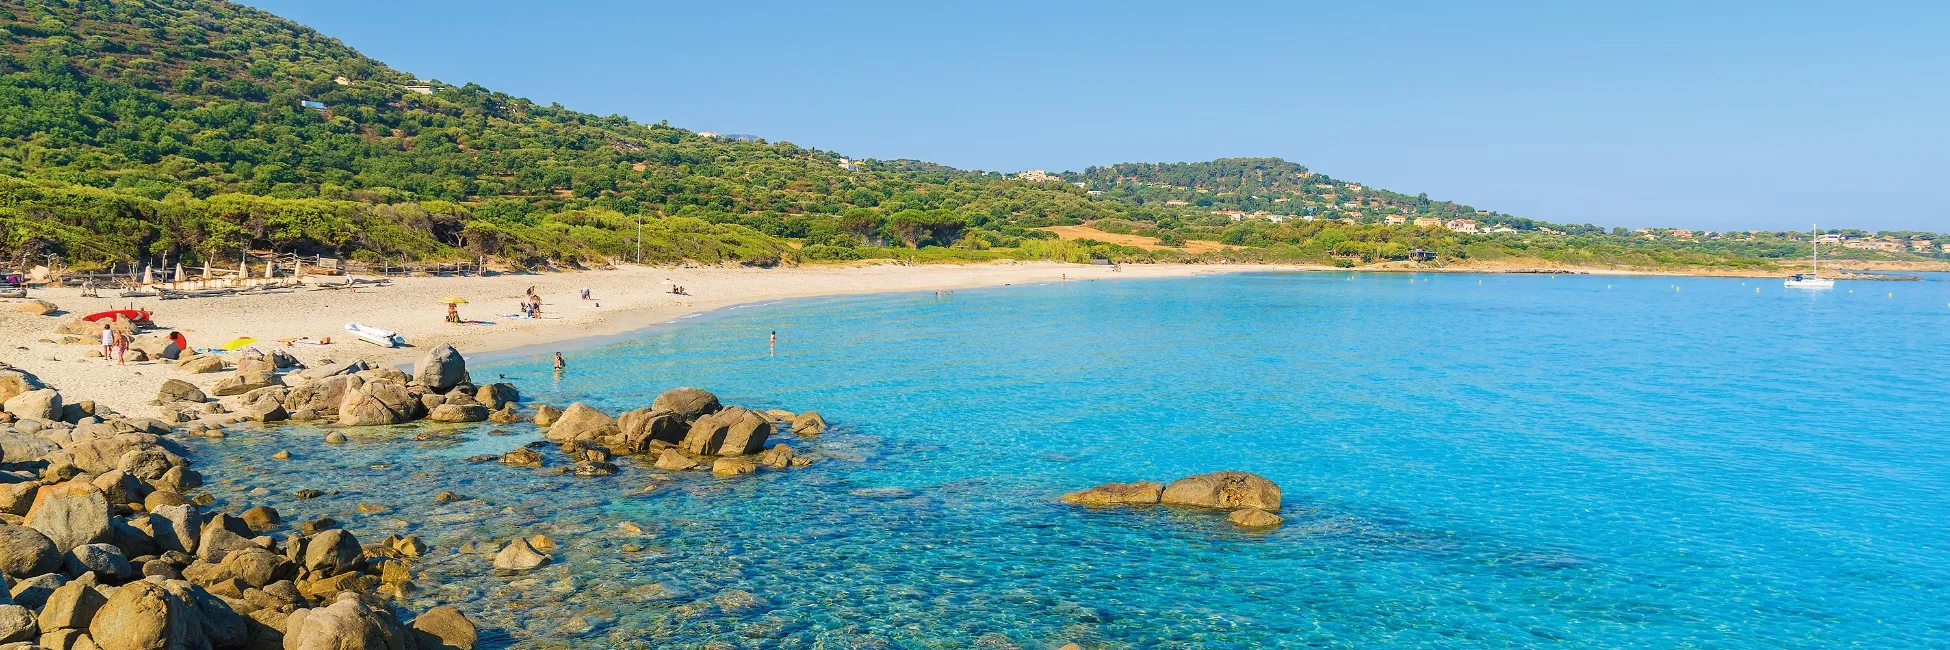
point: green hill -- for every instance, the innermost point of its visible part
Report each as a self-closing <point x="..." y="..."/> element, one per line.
<point x="197" y="129"/>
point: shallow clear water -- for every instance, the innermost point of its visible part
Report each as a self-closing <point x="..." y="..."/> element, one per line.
<point x="1468" y="461"/>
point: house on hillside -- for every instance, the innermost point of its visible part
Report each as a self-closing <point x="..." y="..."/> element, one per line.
<point x="1175" y="203"/>
<point x="849" y="165"/>
<point x="1428" y="222"/>
<point x="1501" y="229"/>
<point x="1921" y="245"/>
<point x="1395" y="219"/>
<point x="1828" y="239"/>
<point x="1682" y="234"/>
<point x="1035" y="175"/>
<point x="1461" y="225"/>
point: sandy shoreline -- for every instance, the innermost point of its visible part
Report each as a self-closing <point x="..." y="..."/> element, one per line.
<point x="625" y="299"/>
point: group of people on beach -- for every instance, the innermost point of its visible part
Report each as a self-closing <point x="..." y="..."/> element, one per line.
<point x="115" y="344"/>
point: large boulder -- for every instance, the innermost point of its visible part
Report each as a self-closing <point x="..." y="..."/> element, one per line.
<point x="37" y="308"/>
<point x="808" y="424"/>
<point x="1224" y="490"/>
<point x="144" y="615"/>
<point x="348" y="624"/>
<point x="639" y="427"/>
<point x="178" y="527"/>
<point x="496" y="395"/>
<point x="688" y="403"/>
<point x="71" y="607"/>
<point x="17" y="625"/>
<point x="200" y="364"/>
<point x="177" y="390"/>
<point x="322" y="395"/>
<point x="43" y="404"/>
<point x="14" y="381"/>
<point x="219" y="625"/>
<point x="581" y="422"/>
<point x="25" y="552"/>
<point x="445" y="628"/>
<point x="21" y="447"/>
<point x="1141" y="493"/>
<point x="519" y="555"/>
<point x="331" y="552"/>
<point x="730" y="432"/>
<point x="361" y="410"/>
<point x="546" y="415"/>
<point x="70" y="514"/>
<point x="105" y="560"/>
<point x="245" y="381"/>
<point x="156" y="346"/>
<point x="458" y="413"/>
<point x="442" y="368"/>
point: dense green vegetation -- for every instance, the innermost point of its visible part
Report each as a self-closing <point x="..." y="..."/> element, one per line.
<point x="195" y="129"/>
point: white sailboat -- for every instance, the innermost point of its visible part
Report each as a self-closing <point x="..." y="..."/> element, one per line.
<point x="1811" y="280"/>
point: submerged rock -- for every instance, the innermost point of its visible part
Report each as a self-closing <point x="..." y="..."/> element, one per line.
<point x="519" y="555"/>
<point x="1141" y="493"/>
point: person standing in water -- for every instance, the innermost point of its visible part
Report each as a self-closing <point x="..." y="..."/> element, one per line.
<point x="775" y="342"/>
<point x="559" y="363"/>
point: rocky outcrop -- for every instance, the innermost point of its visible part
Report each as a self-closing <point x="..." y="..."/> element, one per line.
<point x="688" y="403"/>
<point x="349" y="623"/>
<point x="497" y="395"/>
<point x="321" y="396"/>
<point x="1252" y="499"/>
<point x="1224" y="490"/>
<point x="581" y="422"/>
<point x="1141" y="493"/>
<point x="441" y="368"/>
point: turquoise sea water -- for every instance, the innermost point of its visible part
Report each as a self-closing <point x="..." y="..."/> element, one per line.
<point x="1468" y="461"/>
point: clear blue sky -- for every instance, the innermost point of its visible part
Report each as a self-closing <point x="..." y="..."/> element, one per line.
<point x="1730" y="116"/>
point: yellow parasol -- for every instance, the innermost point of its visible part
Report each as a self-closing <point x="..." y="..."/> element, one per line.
<point x="454" y="300"/>
<point x="237" y="343"/>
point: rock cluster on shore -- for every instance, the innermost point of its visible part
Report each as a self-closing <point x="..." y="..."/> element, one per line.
<point x="272" y="388"/>
<point x="104" y="545"/>
<point x="1254" y="502"/>
<point x="683" y="429"/>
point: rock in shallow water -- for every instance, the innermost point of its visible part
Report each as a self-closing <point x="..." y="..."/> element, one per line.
<point x="1224" y="490"/>
<point x="519" y="555"/>
<point x="1254" y="518"/>
<point x="1141" y="493"/>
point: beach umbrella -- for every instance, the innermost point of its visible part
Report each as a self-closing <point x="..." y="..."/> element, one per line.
<point x="206" y="268"/>
<point x="148" y="274"/>
<point x="179" y="271"/>
<point x="271" y="269"/>
<point x="237" y="343"/>
<point x="243" y="267"/>
<point x="454" y="300"/>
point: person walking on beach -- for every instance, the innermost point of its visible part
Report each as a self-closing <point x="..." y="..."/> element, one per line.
<point x="121" y="347"/>
<point x="108" y="342"/>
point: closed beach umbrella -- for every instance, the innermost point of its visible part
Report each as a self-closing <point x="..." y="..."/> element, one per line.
<point x="243" y="267"/>
<point x="271" y="269"/>
<point x="179" y="272"/>
<point x="453" y="300"/>
<point x="206" y="268"/>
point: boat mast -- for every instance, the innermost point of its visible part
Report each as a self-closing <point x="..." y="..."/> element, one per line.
<point x="1817" y="250"/>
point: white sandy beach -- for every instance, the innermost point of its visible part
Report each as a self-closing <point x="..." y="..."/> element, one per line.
<point x="626" y="299"/>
